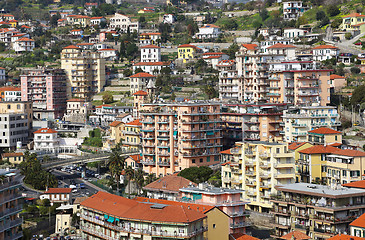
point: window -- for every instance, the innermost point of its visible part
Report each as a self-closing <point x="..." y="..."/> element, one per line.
<point x="213" y="225"/>
<point x="193" y="161"/>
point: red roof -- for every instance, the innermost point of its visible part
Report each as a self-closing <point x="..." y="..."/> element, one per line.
<point x="58" y="190"/>
<point x="71" y="47"/>
<point x="131" y="209"/>
<point x="3" y="89"/>
<point x="115" y="123"/>
<point x="354" y="15"/>
<point x="241" y="236"/>
<point x="147" y="34"/>
<point x="335" y="76"/>
<point x="142" y="75"/>
<point x="296" y="145"/>
<point x="137" y="158"/>
<point x="344" y="237"/>
<point x="76" y="30"/>
<point x="210" y="26"/>
<point x="150" y="46"/>
<point x="12" y="154"/>
<point x="97" y="17"/>
<point x="25" y="26"/>
<point x="76" y="100"/>
<point x="356" y="184"/>
<point x="295" y="235"/>
<point x="325" y="47"/>
<point x="45" y="130"/>
<point x="107" y="49"/>
<point x="250" y="46"/>
<point x="135" y="122"/>
<point x="359" y="222"/>
<point x="321" y="149"/>
<point x="103" y="105"/>
<point x="324" y="130"/>
<point x="228" y="151"/>
<point x="213" y="53"/>
<point x="187" y="45"/>
<point x="25" y="39"/>
<point x="280" y="45"/>
<point x="140" y="93"/>
<point x="169" y="183"/>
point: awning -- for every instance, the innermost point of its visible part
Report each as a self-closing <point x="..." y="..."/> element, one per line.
<point x="106" y="216"/>
<point x="111" y="219"/>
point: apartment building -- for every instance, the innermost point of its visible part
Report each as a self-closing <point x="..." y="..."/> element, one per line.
<point x="85" y="71"/>
<point x="58" y="195"/>
<point x="302" y="170"/>
<point x="123" y="23"/>
<point x="332" y="166"/>
<point x="255" y="122"/>
<point x="46" y="88"/>
<point x="253" y="70"/>
<point x="259" y="167"/>
<point x="10" y="94"/>
<point x="2" y="74"/>
<point x="107" y="216"/>
<point x="16" y="122"/>
<point x="326" y="136"/>
<point x="140" y="81"/>
<point x="46" y="140"/>
<point x="77" y="110"/>
<point x="106" y="114"/>
<point x="230" y="84"/>
<point x="24" y="45"/>
<point x="227" y="200"/>
<point x="180" y="135"/>
<point x="325" y="52"/>
<point x="293" y="9"/>
<point x="208" y="31"/>
<point x="298" y="121"/>
<point x="357" y="227"/>
<point x="149" y="38"/>
<point x="132" y="135"/>
<point x="150" y="53"/>
<point x="319" y="211"/>
<point x="353" y="22"/>
<point x="10" y="205"/>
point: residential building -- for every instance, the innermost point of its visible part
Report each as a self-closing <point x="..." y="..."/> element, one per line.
<point x="169" y="18"/>
<point x="132" y="135"/>
<point x="208" y="31"/>
<point x="108" y="54"/>
<point x="324" y="135"/>
<point x="45" y="140"/>
<point x="230" y="84"/>
<point x="337" y="82"/>
<point x="23" y="45"/>
<point x="63" y="219"/>
<point x="257" y="168"/>
<point x="14" y="158"/>
<point x="353" y="22"/>
<point x="123" y="23"/>
<point x="77" y="32"/>
<point x="46" y="89"/>
<point x="116" y="132"/>
<point x="96" y="21"/>
<point x="302" y="170"/>
<point x="150" y="53"/>
<point x="293" y="9"/>
<point x="58" y="195"/>
<point x="252" y="122"/>
<point x="2" y="75"/>
<point x="78" y="20"/>
<point x="139" y="98"/>
<point x="213" y="58"/>
<point x="167" y="187"/>
<point x="298" y="121"/>
<point x="227" y="200"/>
<point x="152" y="67"/>
<point x="106" y="114"/>
<point x="294" y="32"/>
<point x="16" y="122"/>
<point x="241" y="236"/>
<point x="149" y="38"/>
<point x="180" y="135"/>
<point x="357" y="227"/>
<point x="297" y="235"/>
<point x="85" y="71"/>
<point x="107" y="216"/>
<point x="217" y="220"/>
<point x="325" y="52"/>
<point x="344" y="237"/>
<point x="140" y="81"/>
<point x="187" y="52"/>
<point x="134" y="161"/>
<point x="10" y="94"/>
<point x="10" y="205"/>
<point x="77" y="110"/>
<point x="316" y="210"/>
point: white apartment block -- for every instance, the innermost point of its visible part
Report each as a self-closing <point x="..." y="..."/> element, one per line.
<point x="124" y="23"/>
<point x="324" y="52"/>
<point x="24" y="45"/>
<point x="208" y="31"/>
<point x="230" y="84"/>
<point x="293" y="9"/>
<point x="150" y="53"/>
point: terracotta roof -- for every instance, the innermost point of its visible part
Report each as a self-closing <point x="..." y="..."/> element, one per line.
<point x="61" y="20"/>
<point x="107" y="49"/>
<point x="25" y="39"/>
<point x="115" y="123"/>
<point x="295" y="235"/>
<point x="150" y="46"/>
<point x="250" y="46"/>
<point x="25" y="26"/>
<point x="280" y="45"/>
<point x="344" y="237"/>
<point x="359" y="222"/>
<point x="241" y="236"/>
<point x="45" y="130"/>
<point x="76" y="100"/>
<point x="12" y="154"/>
<point x="356" y="184"/>
<point x="140" y="93"/>
<point x="71" y="47"/>
<point x="78" y="200"/>
<point x="324" y="130"/>
<point x="147" y="34"/>
<point x="213" y="53"/>
<point x="226" y="163"/>
<point x="354" y="15"/>
<point x="320" y="149"/>
<point x="296" y="145"/>
<point x="152" y="64"/>
<point x="230" y="63"/>
<point x="228" y="151"/>
<point x="137" y="158"/>
<point x="210" y="26"/>
<point x="213" y="57"/>
<point x="335" y="76"/>
<point x="187" y="45"/>
<point x="75" y="30"/>
<point x="142" y="75"/>
<point x="169" y="183"/>
<point x="10" y="89"/>
<point x="19" y="35"/>
<point x="58" y="190"/>
<point x="97" y="17"/>
<point x="130" y="209"/>
<point x="103" y="105"/>
<point x="135" y="122"/>
<point x="325" y="47"/>
<point x="336" y="144"/>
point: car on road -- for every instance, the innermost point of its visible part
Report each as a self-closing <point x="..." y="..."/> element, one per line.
<point x="74" y="190"/>
<point x="72" y="186"/>
<point x="82" y="185"/>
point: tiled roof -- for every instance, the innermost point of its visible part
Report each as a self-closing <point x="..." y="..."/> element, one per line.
<point x="45" y="130"/>
<point x="104" y="105"/>
<point x="210" y="26"/>
<point x="107" y="49"/>
<point x="147" y="34"/>
<point x="97" y="17"/>
<point x="115" y="123"/>
<point x="142" y="75"/>
<point x="213" y="53"/>
<point x="280" y="45"/>
<point x="241" y="236"/>
<point x="150" y="46"/>
<point x="359" y="222"/>
<point x="295" y="235"/>
<point x="140" y="93"/>
<point x="135" y="123"/>
<point x="75" y="30"/>
<point x="250" y="46"/>
<point x="58" y="190"/>
<point x="71" y="47"/>
<point x="324" y="130"/>
<point x="169" y="183"/>
<point x="130" y="209"/>
<point x="325" y="47"/>
<point x="187" y="45"/>
<point x="76" y="100"/>
<point x="12" y="154"/>
<point x="354" y="15"/>
<point x="226" y="163"/>
<point x="356" y="184"/>
<point x="228" y="151"/>
<point x="25" y="39"/>
<point x="137" y="158"/>
<point x="335" y="76"/>
<point x="2" y="89"/>
<point x="213" y="57"/>
<point x="296" y="145"/>
<point x="344" y="237"/>
<point x="320" y="149"/>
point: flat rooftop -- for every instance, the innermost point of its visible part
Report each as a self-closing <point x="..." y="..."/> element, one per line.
<point x="261" y="143"/>
<point x="210" y="190"/>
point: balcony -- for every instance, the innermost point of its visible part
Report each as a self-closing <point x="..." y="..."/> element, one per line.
<point x="10" y="224"/>
<point x="284" y="175"/>
<point x="284" y="165"/>
<point x="11" y="211"/>
<point x="299" y="133"/>
<point x="148" y="163"/>
<point x="239" y="225"/>
<point x="14" y="236"/>
<point x="299" y="125"/>
<point x="9" y="198"/>
<point x="11" y="184"/>
<point x="250" y="173"/>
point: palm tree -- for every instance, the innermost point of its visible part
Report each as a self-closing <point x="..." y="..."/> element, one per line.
<point x="129" y="172"/>
<point x="116" y="165"/>
<point x="150" y="178"/>
<point x="139" y="178"/>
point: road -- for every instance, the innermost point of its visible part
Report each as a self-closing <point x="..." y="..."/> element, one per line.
<point x="348" y="45"/>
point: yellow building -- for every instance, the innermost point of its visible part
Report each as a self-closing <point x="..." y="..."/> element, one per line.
<point x="132" y="134"/>
<point x="302" y="171"/>
<point x="80" y="20"/>
<point x="353" y="22"/>
<point x="259" y="167"/>
<point x="14" y="158"/>
<point x="187" y="52"/>
<point x="324" y="136"/>
<point x="116" y="131"/>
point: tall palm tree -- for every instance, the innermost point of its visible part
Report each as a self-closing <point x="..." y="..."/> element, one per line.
<point x="139" y="178"/>
<point x="116" y="165"/>
<point x="129" y="172"/>
<point x="150" y="178"/>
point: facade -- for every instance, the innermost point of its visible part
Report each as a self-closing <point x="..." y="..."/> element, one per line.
<point x="294" y="33"/>
<point x="208" y="31"/>
<point x="14" y="158"/>
<point x="186" y="52"/>
<point x="325" y="136"/>
<point x="150" y="53"/>
<point x="2" y="74"/>
<point x="230" y="84"/>
<point x="58" y="195"/>
<point x="46" y="140"/>
<point x="116" y="132"/>
<point x="316" y="210"/>
<point x="46" y="88"/>
<point x="78" y="20"/>
<point x="108" y="216"/>
<point x="11" y="205"/>
<point x="293" y="9"/>
<point x="353" y="22"/>
<point x="24" y="45"/>
<point x="337" y="82"/>
<point x="106" y="114"/>
<point x="227" y="200"/>
<point x="140" y="81"/>
<point x="16" y="122"/>
<point x="108" y="54"/>
<point x="152" y="67"/>
<point x="85" y="72"/>
<point x="257" y="168"/>
<point x="77" y="110"/>
<point x="302" y="170"/>
<point x="357" y="227"/>
<point x="167" y="187"/>
<point x="298" y="121"/>
<point x="134" y="161"/>
<point x="324" y="52"/>
<point x="149" y="38"/>
<point x="213" y="58"/>
<point x="10" y="94"/>
<point x="124" y="23"/>
<point x="132" y="135"/>
<point x="176" y="136"/>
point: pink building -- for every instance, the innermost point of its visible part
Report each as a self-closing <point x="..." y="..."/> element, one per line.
<point x="46" y="88"/>
<point x="227" y="200"/>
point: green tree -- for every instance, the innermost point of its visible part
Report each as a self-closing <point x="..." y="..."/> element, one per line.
<point x="139" y="179"/>
<point x="231" y="51"/>
<point x="264" y="14"/>
<point x="231" y="24"/>
<point x="348" y="35"/>
<point x="336" y="23"/>
<point x="355" y="70"/>
<point x="116" y="165"/>
<point x="210" y="92"/>
<point x="108" y="98"/>
<point x="131" y="51"/>
<point x="358" y="96"/>
<point x="197" y="174"/>
<point x="129" y="173"/>
<point x="333" y="10"/>
<point x="150" y="178"/>
<point x="127" y="72"/>
<point x="320" y="15"/>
